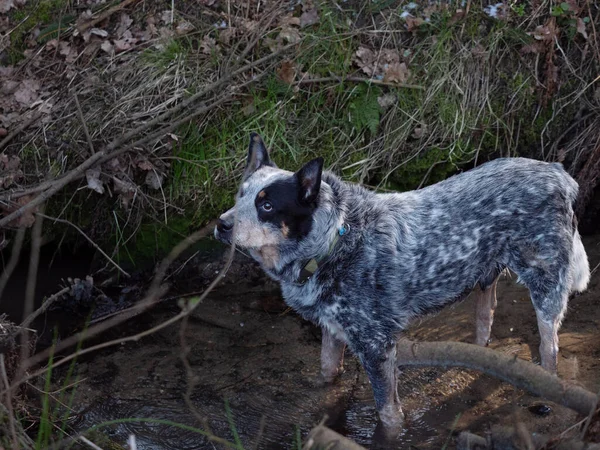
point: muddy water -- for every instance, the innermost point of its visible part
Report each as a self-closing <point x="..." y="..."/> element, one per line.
<point x="248" y="349"/>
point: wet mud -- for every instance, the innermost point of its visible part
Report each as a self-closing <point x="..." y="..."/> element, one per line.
<point x="250" y="353"/>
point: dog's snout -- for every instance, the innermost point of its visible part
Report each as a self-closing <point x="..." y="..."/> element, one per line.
<point x="223" y="226"/>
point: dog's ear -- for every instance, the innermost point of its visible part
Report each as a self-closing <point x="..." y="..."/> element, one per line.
<point x="309" y="179"/>
<point x="258" y="155"/>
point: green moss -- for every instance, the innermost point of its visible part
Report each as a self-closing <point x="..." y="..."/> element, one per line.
<point x="37" y="13"/>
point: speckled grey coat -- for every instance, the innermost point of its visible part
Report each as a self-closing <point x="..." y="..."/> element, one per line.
<point x="408" y="254"/>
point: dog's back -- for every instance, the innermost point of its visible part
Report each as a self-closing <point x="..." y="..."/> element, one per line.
<point x="512" y="212"/>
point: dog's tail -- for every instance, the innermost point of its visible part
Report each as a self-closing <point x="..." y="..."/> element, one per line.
<point x="580" y="267"/>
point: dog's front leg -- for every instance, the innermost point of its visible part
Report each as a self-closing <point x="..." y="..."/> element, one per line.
<point x="381" y="368"/>
<point x="332" y="356"/>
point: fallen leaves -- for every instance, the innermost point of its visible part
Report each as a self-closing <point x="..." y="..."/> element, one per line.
<point x="92" y="177"/>
<point x="7" y="5"/>
<point x="287" y="72"/>
<point x="384" y="65"/>
<point x="27" y="219"/>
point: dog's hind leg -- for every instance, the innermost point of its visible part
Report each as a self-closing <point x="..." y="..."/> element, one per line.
<point x="382" y="370"/>
<point x="485" y="305"/>
<point x="332" y="356"/>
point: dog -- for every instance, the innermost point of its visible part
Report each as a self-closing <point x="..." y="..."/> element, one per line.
<point x="362" y="265"/>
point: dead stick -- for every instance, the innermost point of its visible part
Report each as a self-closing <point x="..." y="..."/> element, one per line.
<point x="358" y="80"/>
<point x="15" y="253"/>
<point x="55" y="219"/>
<point x="105" y="15"/>
<point x="519" y="373"/>
<point x="57" y="186"/>
<point x="107" y="153"/>
<point x="21" y="127"/>
<point x="8" y="403"/>
<point x="210" y="88"/>
<point x="42" y="309"/>
<point x="84" y="125"/>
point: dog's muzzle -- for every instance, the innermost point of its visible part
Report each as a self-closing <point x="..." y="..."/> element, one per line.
<point x="223" y="231"/>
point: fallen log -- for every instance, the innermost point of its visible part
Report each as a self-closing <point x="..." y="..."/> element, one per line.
<point x="519" y="373"/>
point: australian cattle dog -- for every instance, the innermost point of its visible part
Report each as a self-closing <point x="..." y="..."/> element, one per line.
<point x="362" y="265"/>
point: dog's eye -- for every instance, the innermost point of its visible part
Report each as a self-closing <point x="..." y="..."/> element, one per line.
<point x="267" y="206"/>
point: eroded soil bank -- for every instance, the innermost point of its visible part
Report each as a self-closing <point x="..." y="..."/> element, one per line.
<point x="246" y="347"/>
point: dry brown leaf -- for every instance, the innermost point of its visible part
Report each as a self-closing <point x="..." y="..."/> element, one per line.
<point x="26" y="94"/>
<point x="396" y="73"/>
<point x="183" y="27"/>
<point x="107" y="47"/>
<point x="124" y="23"/>
<point x="226" y="35"/>
<point x="581" y="28"/>
<point x="144" y="164"/>
<point x="207" y="45"/>
<point x="387" y="100"/>
<point x="94" y="182"/>
<point x="365" y="58"/>
<point x="166" y="16"/>
<point x="547" y="32"/>
<point x="154" y="180"/>
<point x="26" y="219"/>
<point x="287" y="72"/>
<point x="309" y="17"/>
<point x="289" y="35"/>
<point x="412" y="23"/>
<point x="536" y="47"/>
<point x="68" y="52"/>
<point x="289" y="20"/>
<point x="419" y="132"/>
<point x="7" y="5"/>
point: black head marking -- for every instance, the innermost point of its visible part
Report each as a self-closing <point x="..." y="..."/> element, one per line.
<point x="309" y="180"/>
<point x="258" y="155"/>
<point x="280" y="204"/>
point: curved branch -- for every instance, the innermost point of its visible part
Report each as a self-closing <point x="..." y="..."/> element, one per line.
<point x="517" y="372"/>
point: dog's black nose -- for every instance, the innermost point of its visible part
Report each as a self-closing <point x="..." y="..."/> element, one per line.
<point x="224" y="226"/>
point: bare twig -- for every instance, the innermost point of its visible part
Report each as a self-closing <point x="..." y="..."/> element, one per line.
<point x="105" y="15"/>
<point x="83" y="124"/>
<point x="55" y="219"/>
<point x="357" y="80"/>
<point x="154" y="293"/>
<point x="207" y="90"/>
<point x="8" y="402"/>
<point x="56" y="186"/>
<point x="20" y="128"/>
<point x="519" y="373"/>
<point x="42" y="309"/>
<point x="34" y="262"/>
<point x="13" y="261"/>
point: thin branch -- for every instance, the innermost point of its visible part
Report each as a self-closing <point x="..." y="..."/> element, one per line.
<point x="42" y="309"/>
<point x="84" y="125"/>
<point x="105" y="15"/>
<point x="357" y="80"/>
<point x="56" y="186"/>
<point x="20" y="128"/>
<point x="164" y="117"/>
<point x="154" y="293"/>
<point x="517" y="372"/>
<point x="34" y="263"/>
<point x="8" y="402"/>
<point x="56" y="219"/>
<point x="15" y="253"/>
